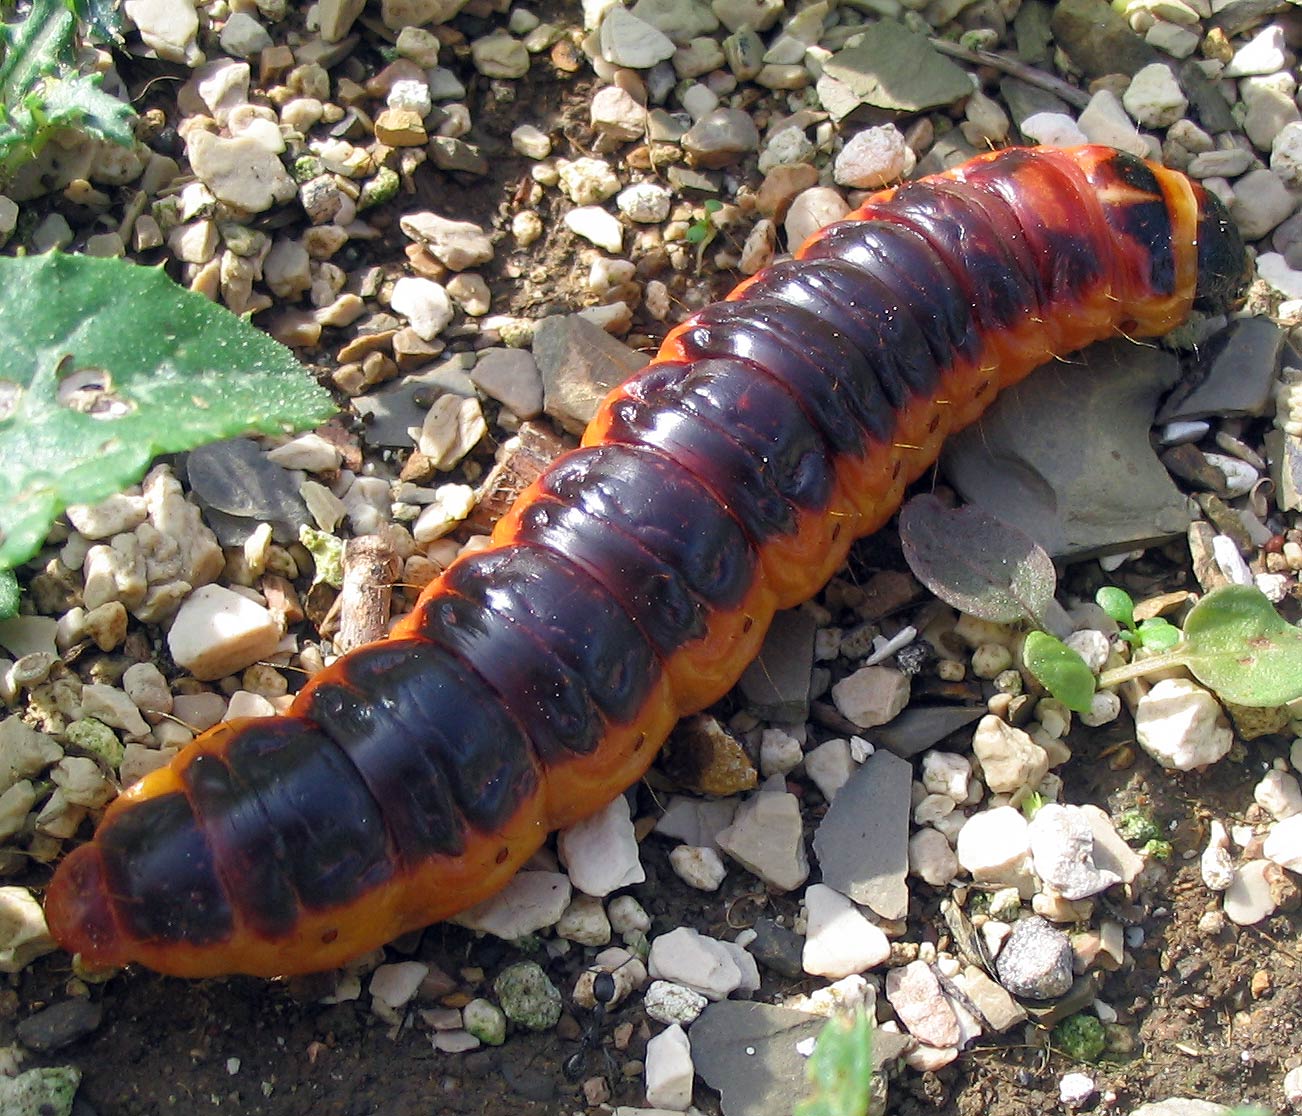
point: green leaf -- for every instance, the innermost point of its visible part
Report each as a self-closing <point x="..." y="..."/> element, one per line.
<point x="41" y="89"/>
<point x="1060" y="670"/>
<point x="841" y="1068"/>
<point x="1117" y="604"/>
<point x="9" y="593"/>
<point x="1157" y="634"/>
<point x="975" y="562"/>
<point x="1240" y="647"/>
<point x="103" y="366"/>
<point x="103" y="17"/>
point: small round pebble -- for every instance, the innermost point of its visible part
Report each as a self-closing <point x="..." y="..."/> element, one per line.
<point x="1035" y="962"/>
<point x="528" y="997"/>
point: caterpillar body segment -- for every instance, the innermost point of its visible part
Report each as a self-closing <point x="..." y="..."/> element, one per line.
<point x="634" y="580"/>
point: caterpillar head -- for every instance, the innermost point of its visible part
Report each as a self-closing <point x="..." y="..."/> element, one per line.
<point x="1223" y="267"/>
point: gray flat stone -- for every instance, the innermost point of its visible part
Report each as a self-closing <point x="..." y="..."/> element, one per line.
<point x="389" y="412"/>
<point x="1098" y="39"/>
<point x="1235" y="379"/>
<point x="1065" y="455"/>
<point x="1024" y="99"/>
<point x="236" y="480"/>
<point x="893" y="68"/>
<point x="747" y="1051"/>
<point x="776" y="684"/>
<point x="862" y="843"/>
<point x="921" y="726"/>
<point x="580" y="363"/>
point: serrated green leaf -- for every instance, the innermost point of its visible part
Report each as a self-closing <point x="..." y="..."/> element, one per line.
<point x="1060" y="670"/>
<point x="9" y="594"/>
<point x="1240" y="647"/>
<point x="1118" y="604"/>
<point x="841" y="1068"/>
<point x="104" y="365"/>
<point x="41" y="90"/>
<point x="103" y="17"/>
<point x="975" y="562"/>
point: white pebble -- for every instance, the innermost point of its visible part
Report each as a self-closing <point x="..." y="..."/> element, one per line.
<point x="218" y="632"/>
<point x="685" y="956"/>
<point x="596" y="225"/>
<point x="1181" y="725"/>
<point x="839" y="939"/>
<point x="698" y="866"/>
<point x="873" y="158"/>
<point x="1054" y="129"/>
<point x="601" y="853"/>
<point x="1279" y="793"/>
<point x="669" y="1070"/>
<point x="931" y="858"/>
<point x="995" y="847"/>
<point x="666" y="1002"/>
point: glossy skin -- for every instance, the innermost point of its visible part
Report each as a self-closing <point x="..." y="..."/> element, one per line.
<point x="634" y="581"/>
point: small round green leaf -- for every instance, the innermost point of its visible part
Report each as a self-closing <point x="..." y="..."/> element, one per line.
<point x="1060" y="670"/>
<point x="1158" y="634"/>
<point x="1240" y="647"/>
<point x="1117" y="604"/>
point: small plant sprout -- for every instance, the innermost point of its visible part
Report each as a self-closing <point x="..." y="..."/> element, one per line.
<point x="1154" y="634"/>
<point x="703" y="230"/>
<point x="1233" y="642"/>
<point x="841" y="1068"/>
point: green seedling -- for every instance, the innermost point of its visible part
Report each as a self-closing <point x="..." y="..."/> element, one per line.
<point x="703" y="230"/>
<point x="841" y="1068"/>
<point x="104" y="365"/>
<point x="1154" y="634"/>
<point x="1234" y="643"/>
<point x="42" y="91"/>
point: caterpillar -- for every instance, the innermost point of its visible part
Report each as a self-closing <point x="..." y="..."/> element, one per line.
<point x="636" y="578"/>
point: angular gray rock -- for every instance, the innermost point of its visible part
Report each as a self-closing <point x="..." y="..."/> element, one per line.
<point x="776" y="684"/>
<point x="862" y="843"/>
<point x="580" y="363"/>
<point x="1236" y="378"/>
<point x="920" y="726"/>
<point x="894" y="68"/>
<point x="1065" y="455"/>
<point x="747" y="1051"/>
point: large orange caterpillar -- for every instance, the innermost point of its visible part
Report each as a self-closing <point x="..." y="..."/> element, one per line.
<point x="633" y="582"/>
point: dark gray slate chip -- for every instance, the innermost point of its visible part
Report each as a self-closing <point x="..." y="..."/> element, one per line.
<point x="1098" y="39"/>
<point x="920" y="726"/>
<point x="777" y="948"/>
<point x="1236" y="376"/>
<point x="389" y="412"/>
<point x="236" y="479"/>
<point x="59" y="1024"/>
<point x="894" y="68"/>
<point x="776" y="684"/>
<point x="862" y="843"/>
<point x="1065" y="456"/>
<point x="747" y="1052"/>
<point x="580" y="363"/>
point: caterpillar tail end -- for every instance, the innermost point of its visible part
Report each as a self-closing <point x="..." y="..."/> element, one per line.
<point x="77" y="910"/>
